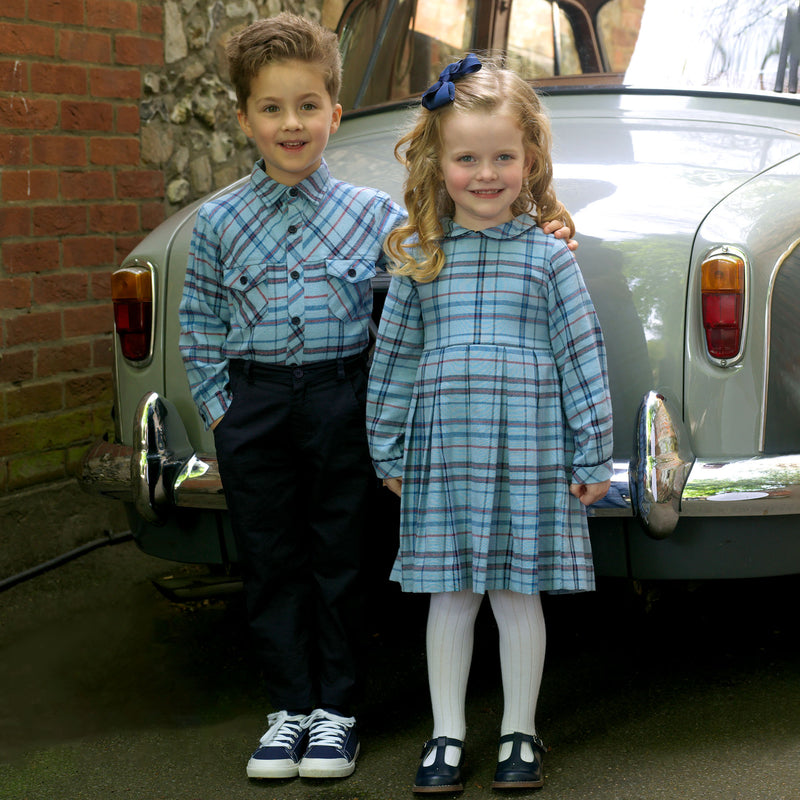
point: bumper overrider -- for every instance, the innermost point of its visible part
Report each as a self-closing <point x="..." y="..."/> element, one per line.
<point x="662" y="482"/>
<point x="159" y="471"/>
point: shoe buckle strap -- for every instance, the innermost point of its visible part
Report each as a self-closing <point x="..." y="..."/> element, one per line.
<point x="439" y="744"/>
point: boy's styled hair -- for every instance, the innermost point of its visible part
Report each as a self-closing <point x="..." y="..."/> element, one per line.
<point x="283" y="37"/>
<point x="426" y="198"/>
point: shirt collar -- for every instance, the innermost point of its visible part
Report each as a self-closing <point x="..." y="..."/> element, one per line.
<point x="313" y="188"/>
<point x="508" y="230"/>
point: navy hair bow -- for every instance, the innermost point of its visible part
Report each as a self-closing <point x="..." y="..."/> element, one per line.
<point x="444" y="91"/>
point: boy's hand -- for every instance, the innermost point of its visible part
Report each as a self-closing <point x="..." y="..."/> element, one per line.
<point x="557" y="228"/>
<point x="589" y="493"/>
<point x="394" y="485"/>
<point x="216" y="422"/>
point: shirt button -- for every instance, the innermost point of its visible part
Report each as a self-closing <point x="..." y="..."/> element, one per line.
<point x="295" y="320"/>
<point x="293" y="229"/>
<point x="351" y="272"/>
<point x="294" y="274"/>
<point x="293" y="191"/>
<point x="243" y="280"/>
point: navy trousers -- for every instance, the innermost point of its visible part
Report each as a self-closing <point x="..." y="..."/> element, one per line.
<point x="295" y="467"/>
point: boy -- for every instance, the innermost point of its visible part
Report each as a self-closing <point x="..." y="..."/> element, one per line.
<point x="274" y="320"/>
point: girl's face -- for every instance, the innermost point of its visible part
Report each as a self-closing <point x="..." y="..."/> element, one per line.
<point x="484" y="164"/>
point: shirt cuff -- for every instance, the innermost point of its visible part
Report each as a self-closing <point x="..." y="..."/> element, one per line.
<point x="393" y="468"/>
<point x="214" y="409"/>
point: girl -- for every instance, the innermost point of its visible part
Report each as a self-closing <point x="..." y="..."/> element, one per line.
<point x="488" y="405"/>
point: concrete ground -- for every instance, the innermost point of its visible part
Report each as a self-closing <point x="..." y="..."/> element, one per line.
<point x="45" y="521"/>
<point x="108" y="689"/>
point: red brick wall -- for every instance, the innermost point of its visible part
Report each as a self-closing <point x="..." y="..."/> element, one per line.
<point x="74" y="199"/>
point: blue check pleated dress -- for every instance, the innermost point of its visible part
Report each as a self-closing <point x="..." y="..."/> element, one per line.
<point x="488" y="396"/>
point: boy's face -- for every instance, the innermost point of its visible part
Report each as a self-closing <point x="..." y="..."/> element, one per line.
<point x="290" y="117"/>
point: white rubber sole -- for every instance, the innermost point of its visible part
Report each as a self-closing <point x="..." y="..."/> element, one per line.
<point x="323" y="768"/>
<point x="264" y="768"/>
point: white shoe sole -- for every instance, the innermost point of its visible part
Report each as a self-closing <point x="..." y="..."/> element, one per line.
<point x="263" y="768"/>
<point x="327" y="767"/>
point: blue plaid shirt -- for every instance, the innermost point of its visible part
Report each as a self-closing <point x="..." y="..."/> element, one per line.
<point x="280" y="275"/>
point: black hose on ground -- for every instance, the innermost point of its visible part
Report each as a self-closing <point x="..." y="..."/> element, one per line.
<point x="58" y="561"/>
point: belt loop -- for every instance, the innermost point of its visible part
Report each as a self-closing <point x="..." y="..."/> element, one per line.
<point x="248" y="371"/>
<point x="340" y="369"/>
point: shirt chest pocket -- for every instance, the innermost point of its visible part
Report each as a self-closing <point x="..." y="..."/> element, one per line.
<point x="350" y="288"/>
<point x="251" y="293"/>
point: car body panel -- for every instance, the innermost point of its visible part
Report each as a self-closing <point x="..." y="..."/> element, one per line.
<point x="658" y="173"/>
<point x="763" y="217"/>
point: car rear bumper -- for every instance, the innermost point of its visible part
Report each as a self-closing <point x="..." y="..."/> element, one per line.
<point x="661" y="483"/>
<point x="159" y="471"/>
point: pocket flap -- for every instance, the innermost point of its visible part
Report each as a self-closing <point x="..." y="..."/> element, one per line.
<point x="350" y="270"/>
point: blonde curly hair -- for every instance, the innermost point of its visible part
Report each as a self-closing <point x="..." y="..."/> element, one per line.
<point x="426" y="198"/>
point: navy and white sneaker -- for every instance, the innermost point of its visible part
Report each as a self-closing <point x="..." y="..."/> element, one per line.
<point x="332" y="746"/>
<point x="281" y="748"/>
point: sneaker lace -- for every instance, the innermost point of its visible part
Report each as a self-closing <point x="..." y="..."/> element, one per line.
<point x="328" y="730"/>
<point x="283" y="729"/>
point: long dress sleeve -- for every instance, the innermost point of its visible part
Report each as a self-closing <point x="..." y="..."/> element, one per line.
<point x="391" y="382"/>
<point x="580" y="356"/>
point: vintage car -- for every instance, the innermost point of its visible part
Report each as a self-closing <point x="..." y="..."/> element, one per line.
<point x="677" y="149"/>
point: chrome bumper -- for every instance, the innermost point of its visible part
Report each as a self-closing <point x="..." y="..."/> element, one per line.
<point x="661" y="483"/>
<point x="160" y="471"/>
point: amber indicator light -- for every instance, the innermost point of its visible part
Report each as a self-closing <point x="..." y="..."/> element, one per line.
<point x="723" y="305"/>
<point x="132" y="295"/>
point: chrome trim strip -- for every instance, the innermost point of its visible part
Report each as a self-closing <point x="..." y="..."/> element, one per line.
<point x="661" y="484"/>
<point x="764" y="485"/>
<point x="714" y="488"/>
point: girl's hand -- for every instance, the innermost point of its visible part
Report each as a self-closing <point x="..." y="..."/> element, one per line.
<point x="557" y="228"/>
<point x="589" y="493"/>
<point x="394" y="485"/>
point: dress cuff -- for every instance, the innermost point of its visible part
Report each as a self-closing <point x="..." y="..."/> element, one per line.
<point x="596" y="473"/>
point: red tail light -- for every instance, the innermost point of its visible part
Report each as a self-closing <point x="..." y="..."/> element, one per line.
<point x="723" y="287"/>
<point x="132" y="294"/>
